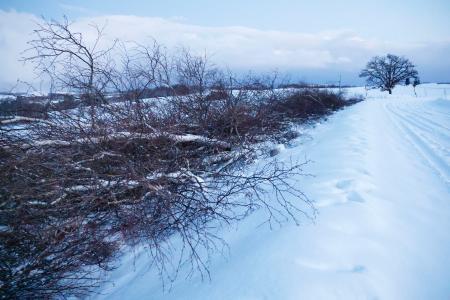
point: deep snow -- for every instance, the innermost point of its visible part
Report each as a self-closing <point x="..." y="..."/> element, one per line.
<point x="382" y="189"/>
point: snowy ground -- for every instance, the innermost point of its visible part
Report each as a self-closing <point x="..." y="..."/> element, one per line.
<point x="382" y="188"/>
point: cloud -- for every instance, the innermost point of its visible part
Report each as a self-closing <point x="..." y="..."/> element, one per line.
<point x="15" y="31"/>
<point x="235" y="47"/>
<point x="239" y="46"/>
<point x="74" y="8"/>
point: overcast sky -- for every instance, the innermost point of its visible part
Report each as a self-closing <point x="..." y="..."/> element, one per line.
<point x="312" y="40"/>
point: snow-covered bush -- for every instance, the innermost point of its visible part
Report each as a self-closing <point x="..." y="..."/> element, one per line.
<point x="80" y="184"/>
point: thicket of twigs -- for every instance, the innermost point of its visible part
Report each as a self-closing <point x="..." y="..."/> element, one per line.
<point x="79" y="184"/>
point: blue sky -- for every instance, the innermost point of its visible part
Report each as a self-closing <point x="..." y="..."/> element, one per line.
<point x="314" y="40"/>
<point x="407" y="20"/>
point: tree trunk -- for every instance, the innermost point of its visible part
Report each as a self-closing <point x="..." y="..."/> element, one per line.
<point x="390" y="91"/>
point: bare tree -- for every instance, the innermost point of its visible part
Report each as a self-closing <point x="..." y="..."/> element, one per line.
<point x="141" y="68"/>
<point x="387" y="71"/>
<point x="70" y="62"/>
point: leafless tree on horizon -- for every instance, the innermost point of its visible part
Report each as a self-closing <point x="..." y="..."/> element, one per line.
<point x="385" y="72"/>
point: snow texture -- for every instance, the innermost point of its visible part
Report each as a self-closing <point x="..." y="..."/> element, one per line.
<point x="382" y="188"/>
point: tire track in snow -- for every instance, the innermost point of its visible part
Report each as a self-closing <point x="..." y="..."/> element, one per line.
<point x="424" y="125"/>
<point x="427" y="122"/>
<point x="430" y="135"/>
<point x="435" y="161"/>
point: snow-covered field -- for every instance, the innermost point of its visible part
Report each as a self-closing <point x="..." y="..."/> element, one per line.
<point x="382" y="189"/>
